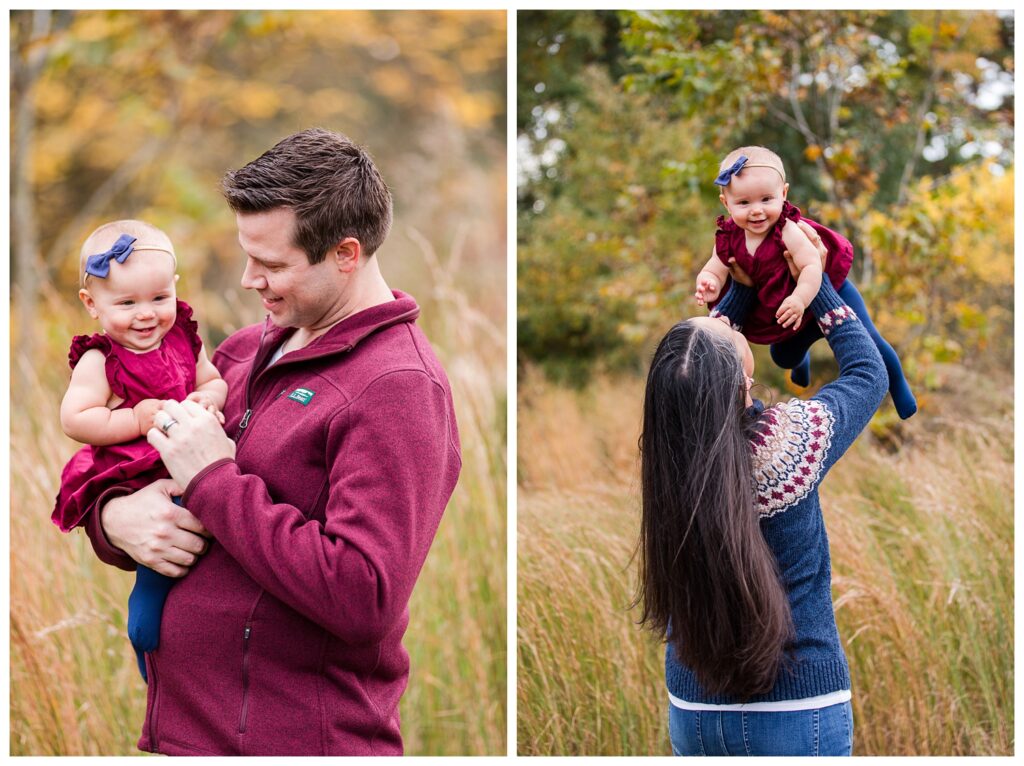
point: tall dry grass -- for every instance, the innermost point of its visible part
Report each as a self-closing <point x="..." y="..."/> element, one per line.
<point x="922" y="551"/>
<point x="74" y="686"/>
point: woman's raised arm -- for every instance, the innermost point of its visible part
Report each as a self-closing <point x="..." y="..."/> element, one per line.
<point x="854" y="396"/>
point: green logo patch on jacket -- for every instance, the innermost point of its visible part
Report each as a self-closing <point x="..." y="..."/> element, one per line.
<point x="301" y="395"/>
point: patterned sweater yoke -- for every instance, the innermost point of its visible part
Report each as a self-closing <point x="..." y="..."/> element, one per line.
<point x="797" y="442"/>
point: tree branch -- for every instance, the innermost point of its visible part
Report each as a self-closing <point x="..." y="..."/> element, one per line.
<point x="926" y="103"/>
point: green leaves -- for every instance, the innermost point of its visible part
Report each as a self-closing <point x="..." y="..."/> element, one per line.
<point x="862" y="106"/>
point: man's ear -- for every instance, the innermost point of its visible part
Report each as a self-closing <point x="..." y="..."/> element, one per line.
<point x="347" y="254"/>
<point x="87" y="300"/>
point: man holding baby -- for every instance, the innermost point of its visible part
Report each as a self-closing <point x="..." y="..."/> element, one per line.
<point x="307" y="516"/>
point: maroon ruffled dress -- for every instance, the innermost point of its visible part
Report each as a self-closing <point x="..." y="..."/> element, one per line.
<point x="767" y="268"/>
<point x="166" y="372"/>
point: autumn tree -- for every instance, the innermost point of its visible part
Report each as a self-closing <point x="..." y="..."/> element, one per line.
<point x="879" y="116"/>
<point x="139" y="113"/>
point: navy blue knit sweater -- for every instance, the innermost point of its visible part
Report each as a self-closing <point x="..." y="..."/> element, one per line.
<point x="798" y="442"/>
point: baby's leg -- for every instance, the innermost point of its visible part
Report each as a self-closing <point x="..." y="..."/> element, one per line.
<point x="145" y="610"/>
<point x="793" y="354"/>
<point x="906" y="404"/>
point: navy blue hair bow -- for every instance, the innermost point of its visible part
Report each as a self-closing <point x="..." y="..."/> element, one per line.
<point x="99" y="265"/>
<point x="726" y="175"/>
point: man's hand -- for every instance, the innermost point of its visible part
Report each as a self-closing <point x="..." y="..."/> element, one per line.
<point x="144" y="412"/>
<point x="204" y="400"/>
<point x="193" y="440"/>
<point x="812" y="235"/>
<point x="153" y="530"/>
<point x="791" y="312"/>
<point x="708" y="288"/>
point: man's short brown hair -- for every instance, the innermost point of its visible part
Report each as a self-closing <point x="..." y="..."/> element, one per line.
<point x="330" y="183"/>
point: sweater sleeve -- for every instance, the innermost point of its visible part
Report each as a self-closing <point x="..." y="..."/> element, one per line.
<point x="92" y="523"/>
<point x="395" y="463"/>
<point x="854" y="396"/>
<point x="736" y="304"/>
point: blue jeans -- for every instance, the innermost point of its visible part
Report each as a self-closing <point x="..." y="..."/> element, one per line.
<point x="823" y="731"/>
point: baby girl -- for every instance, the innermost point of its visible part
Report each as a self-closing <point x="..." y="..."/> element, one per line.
<point x="149" y="350"/>
<point x="762" y="229"/>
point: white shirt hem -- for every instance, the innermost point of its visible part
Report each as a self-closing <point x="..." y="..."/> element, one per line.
<point x="807" y="703"/>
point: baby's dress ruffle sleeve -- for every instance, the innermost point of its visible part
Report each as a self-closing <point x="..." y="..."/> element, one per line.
<point x="789" y="213"/>
<point x="726" y="228"/>
<point x="187" y="325"/>
<point x="82" y="343"/>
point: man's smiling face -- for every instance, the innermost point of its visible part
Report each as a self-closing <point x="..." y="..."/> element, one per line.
<point x="294" y="292"/>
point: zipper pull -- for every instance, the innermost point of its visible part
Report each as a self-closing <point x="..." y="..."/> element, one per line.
<point x="245" y="420"/>
<point x="248" y="630"/>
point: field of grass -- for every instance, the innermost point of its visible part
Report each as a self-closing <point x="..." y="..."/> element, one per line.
<point x="74" y="686"/>
<point x="922" y="552"/>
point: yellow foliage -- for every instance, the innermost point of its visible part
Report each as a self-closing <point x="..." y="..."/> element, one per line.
<point x="94" y="27"/>
<point x="52" y="98"/>
<point x="255" y="100"/>
<point x="944" y="264"/>
<point x="474" y="109"/>
<point x="332" y="101"/>
<point x="393" y="82"/>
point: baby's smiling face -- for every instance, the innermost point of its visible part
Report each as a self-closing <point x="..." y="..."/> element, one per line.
<point x="135" y="304"/>
<point x="754" y="199"/>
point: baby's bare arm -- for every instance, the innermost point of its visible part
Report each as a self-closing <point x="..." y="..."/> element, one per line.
<point x="84" y="414"/>
<point x="209" y="381"/>
<point x="807" y="260"/>
<point x="711" y="279"/>
<point x="715" y="267"/>
<point x="211" y="389"/>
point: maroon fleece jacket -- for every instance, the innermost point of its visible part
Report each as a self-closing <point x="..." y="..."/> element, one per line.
<point x="286" y="637"/>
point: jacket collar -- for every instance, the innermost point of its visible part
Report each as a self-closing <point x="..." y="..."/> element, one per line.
<point x="347" y="333"/>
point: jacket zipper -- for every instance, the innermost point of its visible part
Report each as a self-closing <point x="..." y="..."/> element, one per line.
<point x="248" y="385"/>
<point x="254" y="373"/>
<point x="245" y="677"/>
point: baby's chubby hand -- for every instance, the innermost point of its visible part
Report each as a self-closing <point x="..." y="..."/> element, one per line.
<point x="144" y="412"/>
<point x="205" y="401"/>
<point x="708" y="288"/>
<point x="791" y="312"/>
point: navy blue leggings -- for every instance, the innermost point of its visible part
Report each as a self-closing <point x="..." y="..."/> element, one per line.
<point x="792" y="353"/>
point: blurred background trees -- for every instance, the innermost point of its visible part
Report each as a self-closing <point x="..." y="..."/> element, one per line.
<point x="895" y="127"/>
<point x="138" y="114"/>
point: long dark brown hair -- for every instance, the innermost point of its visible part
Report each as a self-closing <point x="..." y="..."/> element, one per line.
<point x="708" y="580"/>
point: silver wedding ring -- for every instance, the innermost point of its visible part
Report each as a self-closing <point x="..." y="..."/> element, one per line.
<point x="166" y="425"/>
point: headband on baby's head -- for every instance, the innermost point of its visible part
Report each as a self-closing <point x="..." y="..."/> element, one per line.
<point x="726" y="175"/>
<point x="99" y="265"/>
